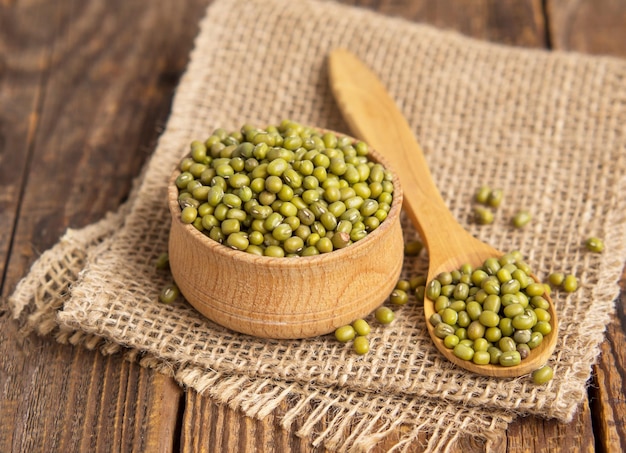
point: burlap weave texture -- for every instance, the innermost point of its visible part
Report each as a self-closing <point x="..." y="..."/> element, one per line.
<point x="547" y="128"/>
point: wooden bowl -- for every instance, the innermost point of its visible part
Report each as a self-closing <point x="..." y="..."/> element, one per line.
<point x="296" y="297"/>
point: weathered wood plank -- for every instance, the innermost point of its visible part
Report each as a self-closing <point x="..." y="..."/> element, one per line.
<point x="162" y="427"/>
<point x="519" y="23"/>
<point x="83" y="401"/>
<point x="539" y="435"/>
<point x="588" y="26"/>
<point x="209" y="426"/>
<point x="24" y="54"/>
<point x="107" y="87"/>
<point x="85" y="89"/>
<point x="599" y="27"/>
<point x="608" y="389"/>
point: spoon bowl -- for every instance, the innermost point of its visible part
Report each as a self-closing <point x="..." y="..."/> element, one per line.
<point x="373" y="116"/>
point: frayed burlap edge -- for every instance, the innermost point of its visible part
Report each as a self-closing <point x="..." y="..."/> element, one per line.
<point x="43" y="291"/>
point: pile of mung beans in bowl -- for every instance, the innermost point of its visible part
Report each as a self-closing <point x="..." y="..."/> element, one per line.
<point x="284" y="231"/>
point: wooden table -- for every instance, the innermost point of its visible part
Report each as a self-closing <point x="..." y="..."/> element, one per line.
<point x="84" y="82"/>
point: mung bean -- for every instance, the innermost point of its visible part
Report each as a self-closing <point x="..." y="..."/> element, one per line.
<point x="309" y="177"/>
<point x="345" y="333"/>
<point x="594" y="244"/>
<point x="361" y="345"/>
<point x="542" y="375"/>
<point x="384" y="315"/>
<point x="496" y="308"/>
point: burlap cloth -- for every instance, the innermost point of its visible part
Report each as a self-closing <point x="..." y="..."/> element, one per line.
<point x="546" y="127"/>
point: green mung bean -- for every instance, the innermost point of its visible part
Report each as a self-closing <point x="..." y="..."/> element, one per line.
<point x="542" y="327"/>
<point x="450" y="341"/>
<point x="238" y="241"/>
<point x="542" y="375"/>
<point x="510" y="358"/>
<point x="361" y="327"/>
<point x="442" y="330"/>
<point x="398" y="297"/>
<point x="303" y="174"/>
<point x="489" y="318"/>
<point x="483" y="216"/>
<point x="361" y="345"/>
<point x="461" y="332"/>
<point x="163" y="261"/>
<point x="570" y="283"/>
<point x="556" y="278"/>
<point x="458" y="306"/>
<point x="413" y="248"/>
<point x="493" y="334"/>
<point x="481" y="358"/>
<point x="420" y="293"/>
<point x="384" y="315"/>
<point x="539" y="302"/>
<point x="499" y="310"/>
<point x="169" y="293"/>
<point x="494" y="354"/>
<point x="495" y="198"/>
<point x="594" y="244"/>
<point x="463" y="352"/>
<point x="536" y="338"/>
<point x="482" y="194"/>
<point x="404" y="285"/>
<point x="345" y="333"/>
<point x="189" y="214"/>
<point x="521" y="219"/>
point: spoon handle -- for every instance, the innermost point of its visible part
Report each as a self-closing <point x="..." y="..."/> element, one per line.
<point x="374" y="117"/>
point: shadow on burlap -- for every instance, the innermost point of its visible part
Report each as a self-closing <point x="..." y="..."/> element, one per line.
<point x="547" y="128"/>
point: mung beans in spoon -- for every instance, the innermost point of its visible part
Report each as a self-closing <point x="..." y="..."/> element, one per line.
<point x="373" y="117"/>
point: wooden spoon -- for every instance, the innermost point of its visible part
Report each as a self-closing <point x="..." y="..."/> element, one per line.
<point x="374" y="117"/>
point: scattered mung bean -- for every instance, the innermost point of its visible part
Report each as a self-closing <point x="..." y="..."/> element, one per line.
<point x="570" y="283"/>
<point x="482" y="194"/>
<point x="361" y="345"/>
<point x="542" y="375"/>
<point x="413" y="248"/>
<point x="361" y="327"/>
<point x="495" y="198"/>
<point x="398" y="297"/>
<point x="384" y="315"/>
<point x="163" y="261"/>
<point x="483" y="216"/>
<point x="594" y="244"/>
<point x="556" y="278"/>
<point x="169" y="293"/>
<point x="345" y="333"/>
<point x="521" y="219"/>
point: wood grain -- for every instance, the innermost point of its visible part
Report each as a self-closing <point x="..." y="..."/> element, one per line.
<point x="598" y="27"/>
<point x="85" y="88"/>
<point x="549" y="436"/>
<point x="608" y="387"/>
<point x="515" y="22"/>
<point x="588" y="26"/>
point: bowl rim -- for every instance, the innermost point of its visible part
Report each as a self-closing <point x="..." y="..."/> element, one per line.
<point x="289" y="262"/>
